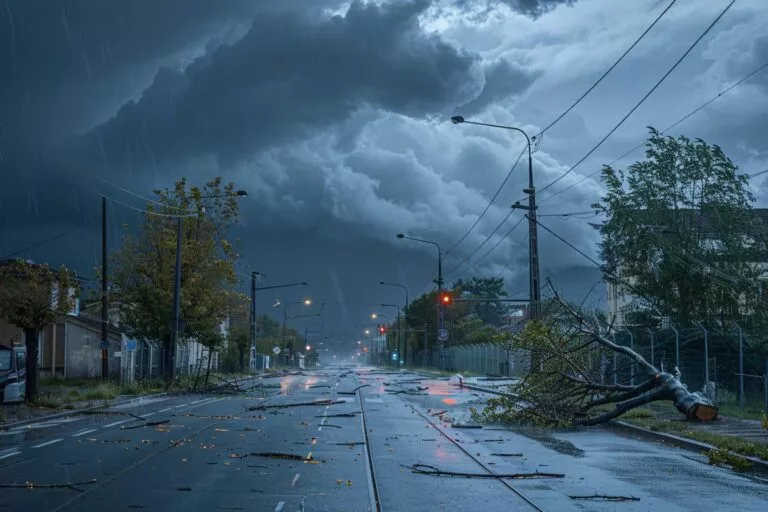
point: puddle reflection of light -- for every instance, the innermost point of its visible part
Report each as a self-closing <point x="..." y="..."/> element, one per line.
<point x="441" y="390"/>
<point x="310" y="382"/>
<point x="285" y="384"/>
<point x="449" y="401"/>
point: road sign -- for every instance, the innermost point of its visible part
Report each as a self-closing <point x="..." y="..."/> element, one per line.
<point x="104" y="344"/>
<point x="443" y="334"/>
<point x="130" y="346"/>
<point x="276" y="350"/>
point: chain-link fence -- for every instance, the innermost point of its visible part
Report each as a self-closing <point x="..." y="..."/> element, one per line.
<point x="723" y="364"/>
<point x="490" y="359"/>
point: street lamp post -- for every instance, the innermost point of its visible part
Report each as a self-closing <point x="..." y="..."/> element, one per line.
<point x="533" y="240"/>
<point x="389" y="320"/>
<point x="254" y="289"/>
<point x="405" y="313"/>
<point x="306" y="302"/>
<point x="170" y="357"/>
<point x="439" y="291"/>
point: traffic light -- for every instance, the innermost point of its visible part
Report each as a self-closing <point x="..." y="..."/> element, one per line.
<point x="446" y="299"/>
<point x="382" y="329"/>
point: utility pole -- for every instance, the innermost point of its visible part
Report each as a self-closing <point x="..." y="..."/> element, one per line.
<point x="170" y="356"/>
<point x="252" y="359"/>
<point x="104" y="299"/>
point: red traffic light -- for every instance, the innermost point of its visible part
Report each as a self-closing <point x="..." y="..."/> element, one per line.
<point x="382" y="329"/>
<point x="446" y="299"/>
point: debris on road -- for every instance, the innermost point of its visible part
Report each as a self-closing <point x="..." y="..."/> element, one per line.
<point x="507" y="454"/>
<point x="465" y="425"/>
<point x="309" y="459"/>
<point x="426" y="469"/>
<point x="296" y="404"/>
<point x="147" y="424"/>
<point x="354" y="390"/>
<point x="603" y="497"/>
<point x="341" y="415"/>
<point x="32" y="485"/>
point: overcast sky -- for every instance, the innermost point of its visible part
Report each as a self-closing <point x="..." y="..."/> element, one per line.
<point x="335" y="117"/>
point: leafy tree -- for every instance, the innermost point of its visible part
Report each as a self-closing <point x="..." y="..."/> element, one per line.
<point x="681" y="231"/>
<point x="143" y="267"/>
<point x="32" y="297"/>
<point x="491" y="313"/>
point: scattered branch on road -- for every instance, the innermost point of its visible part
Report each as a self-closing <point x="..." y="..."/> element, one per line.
<point x="351" y="443"/>
<point x="147" y="424"/>
<point x="425" y="469"/>
<point x="340" y="415"/>
<point x="507" y="454"/>
<point x="462" y="425"/>
<point x="329" y="425"/>
<point x="439" y="413"/>
<point x="298" y="404"/>
<point x="576" y="381"/>
<point x="32" y="485"/>
<point x="354" y="390"/>
<point x="309" y="459"/>
<point x="319" y="386"/>
<point x="603" y="497"/>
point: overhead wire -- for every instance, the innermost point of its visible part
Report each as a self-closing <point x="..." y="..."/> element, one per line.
<point x="44" y="154"/>
<point x="493" y="199"/>
<point x="687" y="116"/>
<point x="643" y="99"/>
<point x="467" y="258"/>
<point x="43" y="242"/>
<point x="607" y="72"/>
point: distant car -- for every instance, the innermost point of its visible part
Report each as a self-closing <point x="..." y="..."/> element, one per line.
<point x="13" y="373"/>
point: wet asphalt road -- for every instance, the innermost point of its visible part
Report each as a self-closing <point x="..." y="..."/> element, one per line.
<point x="213" y="454"/>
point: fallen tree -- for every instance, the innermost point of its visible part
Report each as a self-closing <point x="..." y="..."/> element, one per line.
<point x="573" y="384"/>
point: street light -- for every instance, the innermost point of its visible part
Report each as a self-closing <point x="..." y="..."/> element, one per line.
<point x="533" y="240"/>
<point x="405" y="313"/>
<point x="170" y="356"/>
<point x="439" y="286"/>
<point x="254" y="289"/>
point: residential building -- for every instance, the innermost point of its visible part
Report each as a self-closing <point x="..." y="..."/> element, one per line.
<point x="621" y="300"/>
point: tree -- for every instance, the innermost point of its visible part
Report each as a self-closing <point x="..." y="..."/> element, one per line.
<point x="32" y="297"/>
<point x="577" y="383"/>
<point x="485" y="288"/>
<point x="144" y="266"/>
<point x="681" y="232"/>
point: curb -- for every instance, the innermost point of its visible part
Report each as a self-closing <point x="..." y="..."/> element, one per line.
<point x="72" y="412"/>
<point x="681" y="442"/>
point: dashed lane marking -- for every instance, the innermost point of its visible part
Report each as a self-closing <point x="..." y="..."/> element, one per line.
<point x="47" y="443"/>
<point x="83" y="432"/>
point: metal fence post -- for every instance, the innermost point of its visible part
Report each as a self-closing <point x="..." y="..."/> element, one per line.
<point x="677" y="346"/>
<point x="615" y="363"/>
<point x="706" y="353"/>
<point x="632" y="366"/>
<point x="741" y="367"/>
<point x="652" y="341"/>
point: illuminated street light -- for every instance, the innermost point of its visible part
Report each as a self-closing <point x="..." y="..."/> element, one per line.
<point x="308" y="302"/>
<point x="308" y="348"/>
<point x="374" y="316"/>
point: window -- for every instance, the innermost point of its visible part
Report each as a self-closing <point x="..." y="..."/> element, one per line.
<point x="5" y="360"/>
<point x="21" y="361"/>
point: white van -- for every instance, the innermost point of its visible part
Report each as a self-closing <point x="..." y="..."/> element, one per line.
<point x="13" y="373"/>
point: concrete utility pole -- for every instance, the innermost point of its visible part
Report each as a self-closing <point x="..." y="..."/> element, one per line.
<point x="104" y="298"/>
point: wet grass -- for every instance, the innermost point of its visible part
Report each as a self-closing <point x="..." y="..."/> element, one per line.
<point x="722" y="442"/>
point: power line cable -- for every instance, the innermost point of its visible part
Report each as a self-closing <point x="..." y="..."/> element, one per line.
<point x="43" y="242"/>
<point x="43" y="153"/>
<point x="637" y="41"/>
<point x="468" y="257"/>
<point x="642" y="100"/>
<point x="687" y="116"/>
<point x="493" y="199"/>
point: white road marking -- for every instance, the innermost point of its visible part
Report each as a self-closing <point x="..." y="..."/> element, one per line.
<point x="6" y="455"/>
<point x="114" y="423"/>
<point x="295" y="479"/>
<point x="198" y="401"/>
<point x="82" y="433"/>
<point x="165" y="410"/>
<point x="279" y="506"/>
<point x="47" y="443"/>
<point x="148" y="415"/>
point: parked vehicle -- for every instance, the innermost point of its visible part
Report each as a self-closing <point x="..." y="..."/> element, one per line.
<point x="13" y="373"/>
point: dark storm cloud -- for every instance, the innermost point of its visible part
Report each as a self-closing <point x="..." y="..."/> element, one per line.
<point x="288" y="77"/>
<point x="502" y="80"/>
<point x="535" y="7"/>
<point x="60" y="59"/>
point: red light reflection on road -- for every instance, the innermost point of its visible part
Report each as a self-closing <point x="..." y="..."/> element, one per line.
<point x="449" y="401"/>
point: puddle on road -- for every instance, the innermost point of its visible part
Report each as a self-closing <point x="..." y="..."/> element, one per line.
<point x="548" y="440"/>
